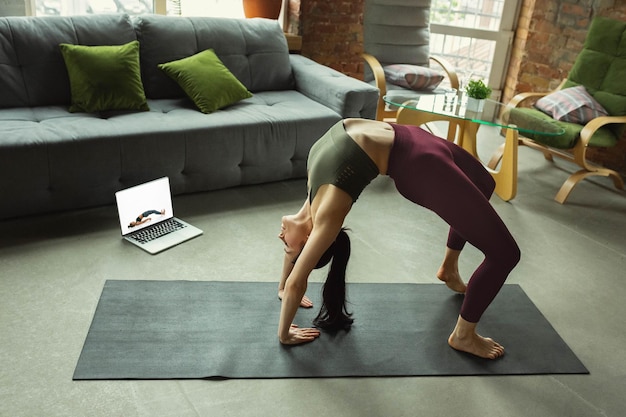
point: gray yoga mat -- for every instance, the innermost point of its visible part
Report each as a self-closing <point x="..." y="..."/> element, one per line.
<point x="198" y="329"/>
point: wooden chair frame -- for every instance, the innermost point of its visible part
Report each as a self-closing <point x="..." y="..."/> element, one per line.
<point x="577" y="154"/>
<point x="379" y="77"/>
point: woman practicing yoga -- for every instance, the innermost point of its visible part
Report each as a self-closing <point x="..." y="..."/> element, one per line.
<point x="428" y="171"/>
<point x="143" y="217"/>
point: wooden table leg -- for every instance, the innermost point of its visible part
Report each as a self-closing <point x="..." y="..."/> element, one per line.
<point x="469" y="132"/>
<point x="506" y="176"/>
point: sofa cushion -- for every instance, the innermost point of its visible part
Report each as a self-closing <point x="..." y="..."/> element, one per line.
<point x="254" y="50"/>
<point x="32" y="67"/>
<point x="104" y="77"/>
<point x="51" y="159"/>
<point x="207" y="82"/>
<point x="573" y="105"/>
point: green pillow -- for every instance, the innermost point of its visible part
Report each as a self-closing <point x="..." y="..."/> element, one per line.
<point x="104" y="77"/>
<point x="206" y="80"/>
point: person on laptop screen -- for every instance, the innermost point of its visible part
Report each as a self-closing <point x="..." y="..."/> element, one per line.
<point x="428" y="171"/>
<point x="143" y="217"/>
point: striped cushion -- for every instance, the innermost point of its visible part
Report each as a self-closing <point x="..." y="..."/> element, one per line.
<point x="414" y="77"/>
<point x="573" y="105"/>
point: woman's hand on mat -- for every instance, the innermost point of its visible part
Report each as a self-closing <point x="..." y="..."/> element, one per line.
<point x="297" y="335"/>
<point x="306" y="301"/>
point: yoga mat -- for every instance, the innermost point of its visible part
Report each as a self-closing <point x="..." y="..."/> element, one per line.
<point x="198" y="329"/>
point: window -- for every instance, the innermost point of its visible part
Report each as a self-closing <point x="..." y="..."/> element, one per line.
<point x="73" y="7"/>
<point x="213" y="8"/>
<point x="217" y="8"/>
<point x="475" y="37"/>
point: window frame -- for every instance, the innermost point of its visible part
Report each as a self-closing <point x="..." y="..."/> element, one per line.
<point x="503" y="38"/>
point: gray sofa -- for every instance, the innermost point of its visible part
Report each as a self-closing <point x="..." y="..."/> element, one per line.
<point x="52" y="160"/>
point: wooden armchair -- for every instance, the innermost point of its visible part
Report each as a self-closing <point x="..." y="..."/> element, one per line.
<point x="398" y="33"/>
<point x="599" y="70"/>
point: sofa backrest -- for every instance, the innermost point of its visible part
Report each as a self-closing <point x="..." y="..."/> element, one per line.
<point x="32" y="70"/>
<point x="254" y="50"/>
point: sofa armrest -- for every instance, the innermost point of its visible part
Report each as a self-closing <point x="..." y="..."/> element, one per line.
<point x="345" y="95"/>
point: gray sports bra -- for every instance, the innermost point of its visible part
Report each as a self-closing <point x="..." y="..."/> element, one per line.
<point x="338" y="160"/>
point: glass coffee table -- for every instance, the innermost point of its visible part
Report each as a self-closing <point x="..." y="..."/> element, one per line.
<point x="463" y="127"/>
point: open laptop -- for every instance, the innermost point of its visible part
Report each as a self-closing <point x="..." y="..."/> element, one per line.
<point x="147" y="217"/>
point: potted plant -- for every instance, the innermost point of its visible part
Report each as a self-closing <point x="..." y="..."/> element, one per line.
<point x="477" y="91"/>
<point x="269" y="9"/>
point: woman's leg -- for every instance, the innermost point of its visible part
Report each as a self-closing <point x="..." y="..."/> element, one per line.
<point x="475" y="220"/>
<point x="459" y="199"/>
<point x="477" y="174"/>
<point x="445" y="188"/>
<point x="449" y="270"/>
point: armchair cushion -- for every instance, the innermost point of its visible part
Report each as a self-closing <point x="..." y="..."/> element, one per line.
<point x="206" y="80"/>
<point x="414" y="77"/>
<point x="530" y="118"/>
<point x="573" y="105"/>
<point x="601" y="66"/>
<point x="104" y="77"/>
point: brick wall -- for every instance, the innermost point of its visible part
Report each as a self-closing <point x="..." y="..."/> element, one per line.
<point x="332" y="34"/>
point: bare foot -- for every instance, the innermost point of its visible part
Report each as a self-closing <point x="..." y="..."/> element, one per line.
<point x="452" y="278"/>
<point x="306" y="302"/>
<point x="465" y="339"/>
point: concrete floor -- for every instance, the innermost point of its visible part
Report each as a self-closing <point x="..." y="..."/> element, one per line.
<point x="53" y="267"/>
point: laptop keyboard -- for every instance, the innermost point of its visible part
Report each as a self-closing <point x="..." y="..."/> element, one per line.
<point x="157" y="230"/>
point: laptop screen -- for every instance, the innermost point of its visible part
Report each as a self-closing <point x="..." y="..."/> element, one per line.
<point x="143" y="205"/>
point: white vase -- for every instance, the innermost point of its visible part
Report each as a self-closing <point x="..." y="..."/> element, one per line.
<point x="474" y="104"/>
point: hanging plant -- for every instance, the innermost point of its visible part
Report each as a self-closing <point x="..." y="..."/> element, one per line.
<point x="269" y="9"/>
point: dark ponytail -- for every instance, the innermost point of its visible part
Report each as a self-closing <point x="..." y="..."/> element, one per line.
<point x="333" y="314"/>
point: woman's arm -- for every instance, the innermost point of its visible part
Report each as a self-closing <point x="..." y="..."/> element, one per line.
<point x="288" y="261"/>
<point x="287" y="268"/>
<point x="327" y="223"/>
<point x="296" y="285"/>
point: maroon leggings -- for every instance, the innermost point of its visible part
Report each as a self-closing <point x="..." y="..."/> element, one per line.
<point x="446" y="179"/>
